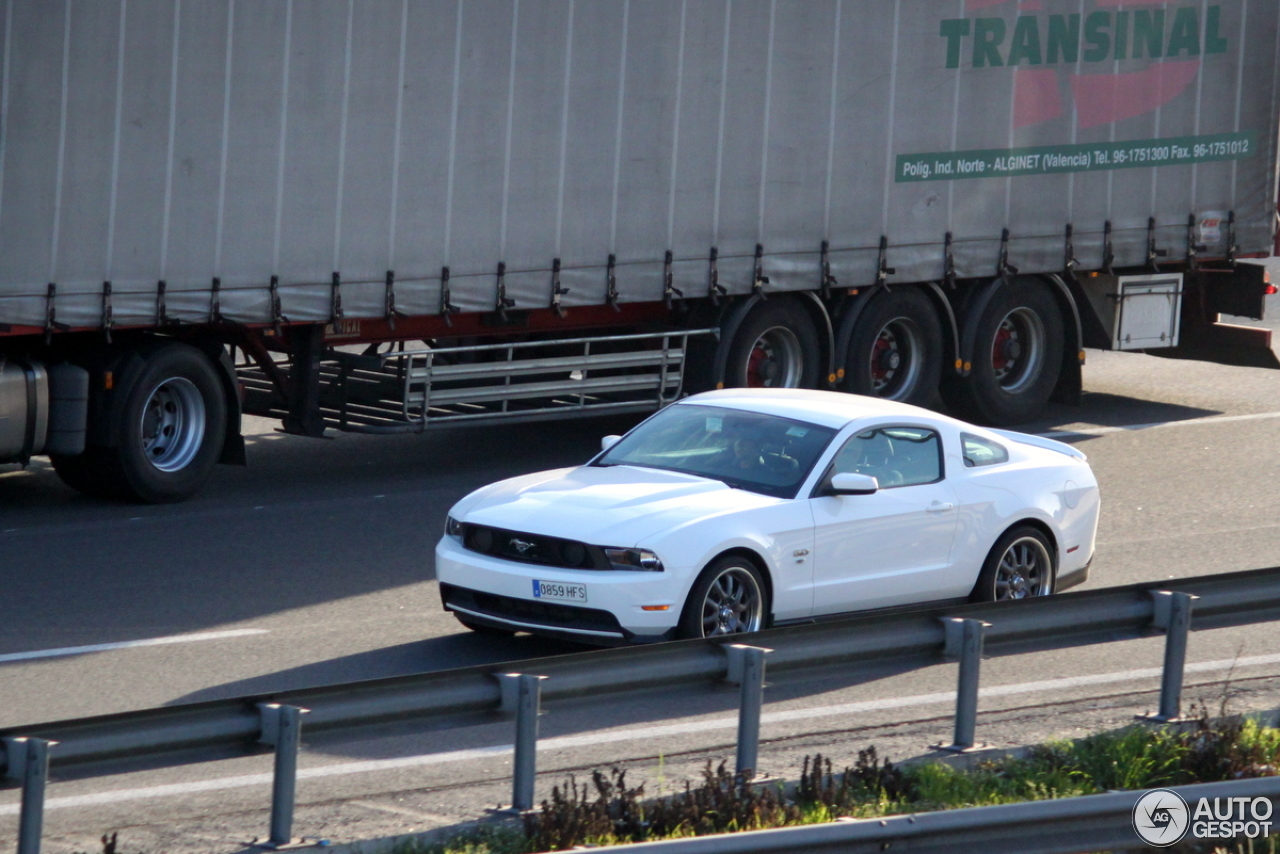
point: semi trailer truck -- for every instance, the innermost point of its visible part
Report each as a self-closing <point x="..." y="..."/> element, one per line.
<point x="392" y="215"/>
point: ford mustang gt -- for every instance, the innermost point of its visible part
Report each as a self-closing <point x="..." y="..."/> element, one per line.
<point x="740" y="509"/>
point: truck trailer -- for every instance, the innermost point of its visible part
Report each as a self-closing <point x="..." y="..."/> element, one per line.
<point x="390" y="215"/>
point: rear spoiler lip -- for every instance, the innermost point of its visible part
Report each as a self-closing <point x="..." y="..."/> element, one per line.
<point x="1042" y="442"/>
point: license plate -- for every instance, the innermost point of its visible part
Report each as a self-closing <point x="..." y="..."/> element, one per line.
<point x="559" y="591"/>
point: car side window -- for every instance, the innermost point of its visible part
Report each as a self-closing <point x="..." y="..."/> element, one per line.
<point x="981" y="452"/>
<point x="894" y="456"/>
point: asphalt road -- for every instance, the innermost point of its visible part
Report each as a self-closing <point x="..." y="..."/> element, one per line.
<point x="314" y="565"/>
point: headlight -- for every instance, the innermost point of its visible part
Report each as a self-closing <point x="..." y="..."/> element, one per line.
<point x="633" y="559"/>
<point x="452" y="527"/>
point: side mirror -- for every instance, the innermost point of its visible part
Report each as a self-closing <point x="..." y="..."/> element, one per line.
<point x="848" y="483"/>
<point x="608" y="442"/>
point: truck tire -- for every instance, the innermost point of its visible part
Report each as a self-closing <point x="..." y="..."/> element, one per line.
<point x="172" y="425"/>
<point x="775" y="347"/>
<point x="86" y="473"/>
<point x="1017" y="356"/>
<point x="895" y="351"/>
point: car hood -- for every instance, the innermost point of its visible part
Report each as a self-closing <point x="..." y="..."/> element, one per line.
<point x="603" y="505"/>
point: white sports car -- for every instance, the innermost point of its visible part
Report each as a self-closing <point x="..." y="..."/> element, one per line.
<point x="735" y="510"/>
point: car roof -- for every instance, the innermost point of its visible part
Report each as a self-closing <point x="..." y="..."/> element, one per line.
<point x="827" y="408"/>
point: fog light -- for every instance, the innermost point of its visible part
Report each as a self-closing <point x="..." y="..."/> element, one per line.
<point x="573" y="554"/>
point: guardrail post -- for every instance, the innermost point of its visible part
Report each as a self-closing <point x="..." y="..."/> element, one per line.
<point x="28" y="761"/>
<point x="1173" y="614"/>
<point x="282" y="728"/>
<point x="964" y="642"/>
<point x="746" y="669"/>
<point x="522" y="694"/>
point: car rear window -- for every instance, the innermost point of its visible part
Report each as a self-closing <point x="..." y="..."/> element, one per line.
<point x="982" y="452"/>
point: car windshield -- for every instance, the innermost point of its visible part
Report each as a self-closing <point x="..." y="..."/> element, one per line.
<point x="748" y="450"/>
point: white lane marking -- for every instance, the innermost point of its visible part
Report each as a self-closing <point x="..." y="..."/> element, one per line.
<point x="103" y="647"/>
<point x="1189" y="422"/>
<point x="502" y="751"/>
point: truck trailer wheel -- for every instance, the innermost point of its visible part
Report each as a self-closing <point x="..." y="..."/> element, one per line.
<point x="173" y="421"/>
<point x="86" y="473"/>
<point x="1017" y="356"/>
<point x="775" y="347"/>
<point x="895" y="351"/>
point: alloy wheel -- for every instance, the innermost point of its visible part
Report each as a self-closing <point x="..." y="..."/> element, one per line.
<point x="733" y="604"/>
<point x="1025" y="570"/>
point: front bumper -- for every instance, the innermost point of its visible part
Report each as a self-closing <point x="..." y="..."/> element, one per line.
<point x="494" y="592"/>
<point x="1074" y="578"/>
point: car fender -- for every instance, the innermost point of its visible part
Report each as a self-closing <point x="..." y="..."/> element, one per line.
<point x="994" y="502"/>
<point x="779" y="535"/>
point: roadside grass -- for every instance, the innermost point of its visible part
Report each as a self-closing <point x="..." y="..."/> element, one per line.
<point x="606" y="809"/>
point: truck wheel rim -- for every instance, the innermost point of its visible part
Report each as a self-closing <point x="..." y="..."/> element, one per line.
<point x="895" y="359"/>
<point x="1017" y="351"/>
<point x="775" y="360"/>
<point x="173" y="424"/>
<point x="1024" y="570"/>
<point x="733" y="604"/>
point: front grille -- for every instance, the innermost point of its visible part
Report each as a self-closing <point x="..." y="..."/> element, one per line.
<point x="532" y="548"/>
<point x="546" y="614"/>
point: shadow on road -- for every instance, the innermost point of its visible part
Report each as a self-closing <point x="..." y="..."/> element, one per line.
<point x="439" y="653"/>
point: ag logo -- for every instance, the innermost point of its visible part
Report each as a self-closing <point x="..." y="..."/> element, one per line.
<point x="1161" y="817"/>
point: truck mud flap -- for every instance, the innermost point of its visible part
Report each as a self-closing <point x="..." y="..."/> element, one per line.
<point x="1240" y="292"/>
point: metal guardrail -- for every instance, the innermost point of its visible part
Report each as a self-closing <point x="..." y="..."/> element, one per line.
<point x="1066" y="826"/>
<point x="192" y="732"/>
<point x="409" y="391"/>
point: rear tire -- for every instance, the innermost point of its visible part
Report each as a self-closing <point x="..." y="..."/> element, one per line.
<point x="895" y="351"/>
<point x="1017" y="356"/>
<point x="1019" y="566"/>
<point x="728" y="598"/>
<point x="775" y="347"/>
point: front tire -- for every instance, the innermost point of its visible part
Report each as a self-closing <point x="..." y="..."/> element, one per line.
<point x="728" y="598"/>
<point x="1019" y="566"/>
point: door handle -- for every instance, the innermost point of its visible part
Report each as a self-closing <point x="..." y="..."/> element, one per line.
<point x="939" y="507"/>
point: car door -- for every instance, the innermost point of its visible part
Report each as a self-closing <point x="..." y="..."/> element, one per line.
<point x="891" y="547"/>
